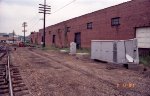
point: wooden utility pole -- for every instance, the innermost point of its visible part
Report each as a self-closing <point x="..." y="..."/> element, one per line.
<point x="24" y="25"/>
<point x="45" y="9"/>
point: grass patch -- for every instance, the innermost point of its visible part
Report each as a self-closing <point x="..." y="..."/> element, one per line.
<point x="83" y="50"/>
<point x="145" y="60"/>
<point x="55" y="48"/>
<point x="50" y="48"/>
<point x="67" y="49"/>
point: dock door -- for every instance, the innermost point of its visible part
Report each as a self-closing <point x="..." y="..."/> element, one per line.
<point x="143" y="37"/>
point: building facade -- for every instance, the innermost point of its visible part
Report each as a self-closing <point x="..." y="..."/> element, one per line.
<point x="118" y="22"/>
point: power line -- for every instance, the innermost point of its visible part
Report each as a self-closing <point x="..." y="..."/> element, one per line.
<point x="63" y="6"/>
<point x="37" y="21"/>
<point x="34" y="25"/>
<point x="33" y="18"/>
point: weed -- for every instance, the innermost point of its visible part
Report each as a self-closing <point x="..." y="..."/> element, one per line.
<point x="145" y="60"/>
<point x="83" y="50"/>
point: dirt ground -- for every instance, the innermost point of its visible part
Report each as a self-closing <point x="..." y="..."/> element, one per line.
<point x="50" y="73"/>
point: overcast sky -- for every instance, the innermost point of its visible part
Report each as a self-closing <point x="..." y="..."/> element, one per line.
<point x="14" y="12"/>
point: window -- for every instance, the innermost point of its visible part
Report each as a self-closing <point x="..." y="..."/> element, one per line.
<point x="115" y="21"/>
<point x="68" y="29"/>
<point x="59" y="30"/>
<point x="89" y="25"/>
<point x="49" y="32"/>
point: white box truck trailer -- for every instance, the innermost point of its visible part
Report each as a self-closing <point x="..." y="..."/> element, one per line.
<point x="115" y="51"/>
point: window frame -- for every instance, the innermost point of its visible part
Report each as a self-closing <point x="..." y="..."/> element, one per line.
<point x="59" y="30"/>
<point x="89" y="25"/>
<point x="115" y="21"/>
<point x="68" y="29"/>
<point x="49" y="32"/>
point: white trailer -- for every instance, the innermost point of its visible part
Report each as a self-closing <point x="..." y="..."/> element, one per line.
<point x="115" y="51"/>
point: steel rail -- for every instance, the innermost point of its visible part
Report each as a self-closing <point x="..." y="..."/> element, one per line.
<point x="9" y="76"/>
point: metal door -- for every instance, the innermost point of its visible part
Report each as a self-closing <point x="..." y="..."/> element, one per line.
<point x="53" y="41"/>
<point x="77" y="40"/>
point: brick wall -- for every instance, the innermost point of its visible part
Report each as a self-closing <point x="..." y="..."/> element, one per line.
<point x="132" y="14"/>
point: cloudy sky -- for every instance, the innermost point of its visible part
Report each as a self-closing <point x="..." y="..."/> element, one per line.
<point x="14" y="12"/>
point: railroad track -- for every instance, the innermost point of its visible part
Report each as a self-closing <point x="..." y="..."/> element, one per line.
<point x="11" y="83"/>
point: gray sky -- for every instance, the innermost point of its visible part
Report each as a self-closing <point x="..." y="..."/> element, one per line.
<point x="14" y="12"/>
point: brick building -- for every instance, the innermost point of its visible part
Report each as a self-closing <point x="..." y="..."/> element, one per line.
<point x="36" y="37"/>
<point x="113" y="23"/>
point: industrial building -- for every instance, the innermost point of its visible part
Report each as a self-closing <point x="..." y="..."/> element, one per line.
<point x="120" y="22"/>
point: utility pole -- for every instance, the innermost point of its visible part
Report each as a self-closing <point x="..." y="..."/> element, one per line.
<point x="24" y="25"/>
<point x="13" y="36"/>
<point x="44" y="9"/>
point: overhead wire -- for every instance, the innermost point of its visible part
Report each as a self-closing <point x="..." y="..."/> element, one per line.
<point x="36" y="21"/>
<point x="63" y="6"/>
<point x="33" y="26"/>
